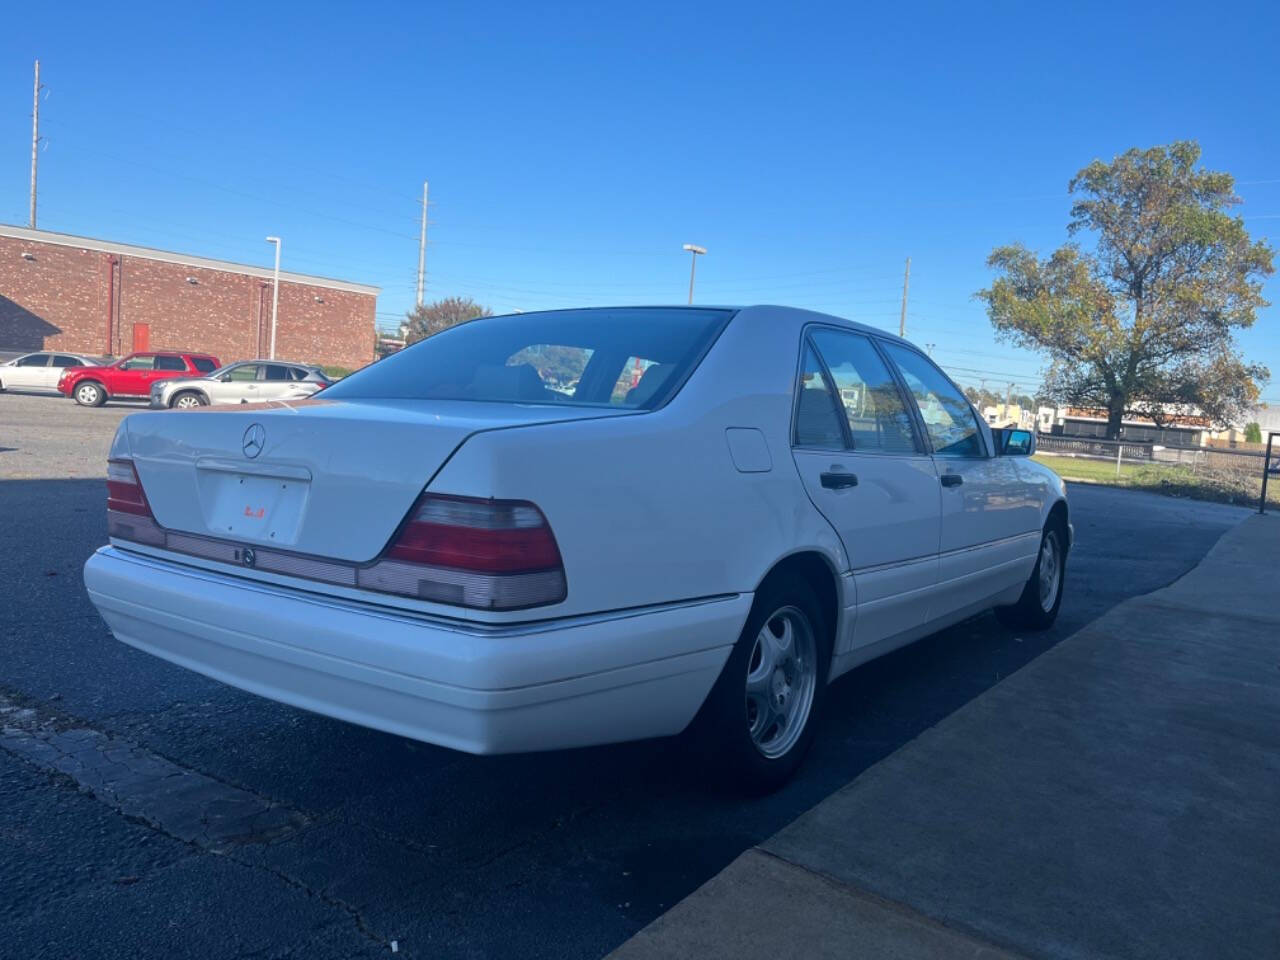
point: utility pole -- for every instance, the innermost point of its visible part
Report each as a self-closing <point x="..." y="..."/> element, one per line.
<point x="275" y="296"/>
<point x="35" y="140"/>
<point x="422" y="245"/>
<point x="906" y="281"/>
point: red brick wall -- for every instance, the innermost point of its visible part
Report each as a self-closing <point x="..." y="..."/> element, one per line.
<point x="59" y="300"/>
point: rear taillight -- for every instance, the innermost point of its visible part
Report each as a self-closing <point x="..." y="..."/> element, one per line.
<point x="488" y="554"/>
<point x="128" y="513"/>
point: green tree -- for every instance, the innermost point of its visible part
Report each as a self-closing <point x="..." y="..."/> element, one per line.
<point x="982" y="398"/>
<point x="1253" y="432"/>
<point x="1143" y="322"/>
<point x="430" y="318"/>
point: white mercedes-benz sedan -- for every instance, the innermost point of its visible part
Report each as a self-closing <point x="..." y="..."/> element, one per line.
<point x="575" y="527"/>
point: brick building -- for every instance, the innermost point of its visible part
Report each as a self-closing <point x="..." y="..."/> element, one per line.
<point x="59" y="292"/>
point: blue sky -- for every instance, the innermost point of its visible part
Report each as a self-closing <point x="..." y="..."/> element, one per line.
<point x="572" y="148"/>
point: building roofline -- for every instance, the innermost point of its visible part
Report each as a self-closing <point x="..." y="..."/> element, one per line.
<point x="168" y="256"/>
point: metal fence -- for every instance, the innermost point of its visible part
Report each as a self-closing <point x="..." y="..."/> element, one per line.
<point x="1094" y="449"/>
<point x="1239" y="475"/>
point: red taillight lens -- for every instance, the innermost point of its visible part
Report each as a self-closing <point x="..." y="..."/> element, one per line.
<point x="124" y="491"/>
<point x="491" y="554"/>
<point x="488" y="536"/>
<point x="128" y="513"/>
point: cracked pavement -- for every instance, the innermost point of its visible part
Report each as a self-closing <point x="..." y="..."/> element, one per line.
<point x="370" y="838"/>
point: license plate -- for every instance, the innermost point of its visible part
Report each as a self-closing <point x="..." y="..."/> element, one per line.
<point x="244" y="506"/>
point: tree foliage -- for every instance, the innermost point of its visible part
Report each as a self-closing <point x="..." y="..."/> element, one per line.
<point x="982" y="398"/>
<point x="1143" y="322"/>
<point x="1253" y="432"/>
<point x="430" y="318"/>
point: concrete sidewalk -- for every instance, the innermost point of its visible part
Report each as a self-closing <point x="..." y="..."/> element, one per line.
<point x="1118" y="797"/>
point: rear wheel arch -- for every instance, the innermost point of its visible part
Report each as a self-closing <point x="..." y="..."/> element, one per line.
<point x="815" y="569"/>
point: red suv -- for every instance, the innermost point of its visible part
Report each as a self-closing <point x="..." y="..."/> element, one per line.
<point x="132" y="376"/>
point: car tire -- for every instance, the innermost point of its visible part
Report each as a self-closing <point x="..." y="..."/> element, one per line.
<point x="89" y="394"/>
<point x="188" y="400"/>
<point x="761" y="716"/>
<point x="1037" y="608"/>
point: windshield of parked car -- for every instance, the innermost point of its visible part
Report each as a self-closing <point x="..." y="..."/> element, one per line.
<point x="632" y="357"/>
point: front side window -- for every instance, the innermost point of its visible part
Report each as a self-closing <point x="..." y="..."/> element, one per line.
<point x="879" y="421"/>
<point x="817" y="413"/>
<point x="139" y="363"/>
<point x="170" y="363"/>
<point x="948" y="417"/>
<point x="580" y="357"/>
<point x="35" y="360"/>
<point x="246" y="371"/>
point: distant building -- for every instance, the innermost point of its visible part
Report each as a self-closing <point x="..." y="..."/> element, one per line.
<point x="1267" y="417"/>
<point x="1185" y="428"/>
<point x="61" y="292"/>
<point x="1009" y="415"/>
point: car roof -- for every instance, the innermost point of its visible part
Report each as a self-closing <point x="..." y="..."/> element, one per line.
<point x="170" y="353"/>
<point x="799" y="314"/>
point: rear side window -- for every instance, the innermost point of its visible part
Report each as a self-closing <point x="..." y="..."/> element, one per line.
<point x="817" y="414"/>
<point x="876" y="411"/>
<point x="581" y="357"/>
<point x="203" y="364"/>
<point x="948" y="416"/>
<point x="61" y="361"/>
<point x="170" y="363"/>
<point x="274" y="371"/>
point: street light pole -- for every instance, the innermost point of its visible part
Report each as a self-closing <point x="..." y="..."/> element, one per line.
<point x="275" y="295"/>
<point x="695" y="250"/>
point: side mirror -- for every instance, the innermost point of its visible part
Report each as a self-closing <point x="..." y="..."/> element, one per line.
<point x="225" y="378"/>
<point x="1018" y="443"/>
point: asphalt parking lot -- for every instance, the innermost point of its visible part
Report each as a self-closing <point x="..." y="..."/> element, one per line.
<point x="369" y="838"/>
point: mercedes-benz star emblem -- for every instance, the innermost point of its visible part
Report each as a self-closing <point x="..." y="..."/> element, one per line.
<point x="255" y="438"/>
<point x="247" y="557"/>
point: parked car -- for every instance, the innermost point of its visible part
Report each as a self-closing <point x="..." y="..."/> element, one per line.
<point x="442" y="547"/>
<point x="132" y="376"/>
<point x="244" y="382"/>
<point x="40" y="371"/>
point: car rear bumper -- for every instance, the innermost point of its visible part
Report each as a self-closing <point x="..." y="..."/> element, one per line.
<point x="477" y="688"/>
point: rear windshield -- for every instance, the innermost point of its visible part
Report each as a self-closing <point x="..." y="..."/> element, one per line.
<point x="633" y="357"/>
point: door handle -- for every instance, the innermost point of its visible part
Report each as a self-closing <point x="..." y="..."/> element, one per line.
<point x="838" y="480"/>
<point x="952" y="479"/>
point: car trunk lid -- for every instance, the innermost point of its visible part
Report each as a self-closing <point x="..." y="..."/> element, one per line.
<point x="325" y="478"/>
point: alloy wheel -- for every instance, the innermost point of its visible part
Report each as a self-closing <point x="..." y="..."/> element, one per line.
<point x="782" y="675"/>
<point x="1050" y="570"/>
